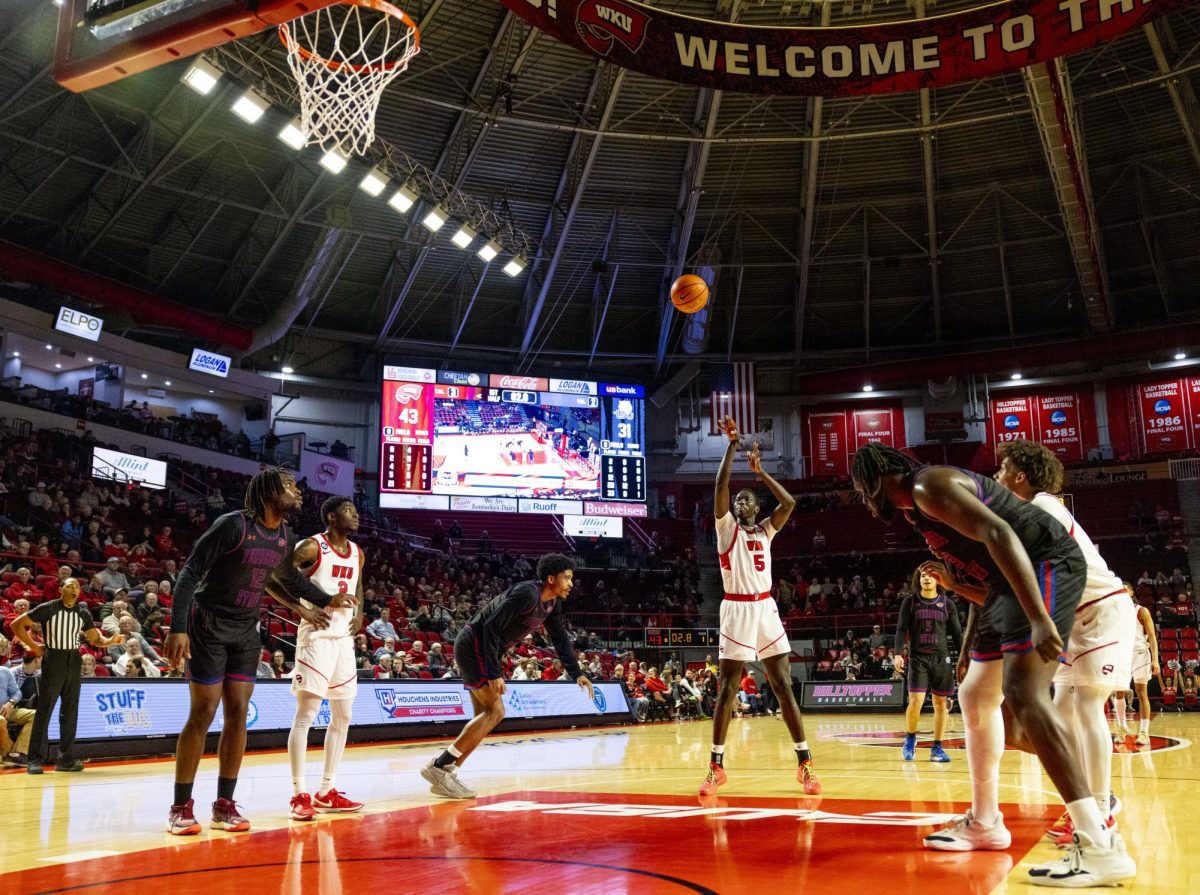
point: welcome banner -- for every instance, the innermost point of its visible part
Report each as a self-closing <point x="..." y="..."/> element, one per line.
<point x="887" y="57"/>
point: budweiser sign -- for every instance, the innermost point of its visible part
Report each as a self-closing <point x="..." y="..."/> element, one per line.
<point x="525" y="383"/>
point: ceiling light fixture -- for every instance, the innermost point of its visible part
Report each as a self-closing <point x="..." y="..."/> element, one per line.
<point x="293" y="135"/>
<point x="250" y="106"/>
<point x="1016" y="377"/>
<point x="868" y="387"/>
<point x="1180" y="355"/>
<point x="373" y="181"/>
<point x="464" y="237"/>
<point x="436" y="219"/>
<point x="514" y="266"/>
<point x="334" y="161"/>
<point x="287" y="370"/>
<point x="202" y="76"/>
<point x="489" y="250"/>
<point x="403" y="199"/>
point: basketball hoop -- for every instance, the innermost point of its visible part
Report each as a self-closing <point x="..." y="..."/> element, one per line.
<point x="343" y="56"/>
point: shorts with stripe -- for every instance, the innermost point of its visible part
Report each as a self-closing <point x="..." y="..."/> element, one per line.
<point x="325" y="667"/>
<point x="1005" y="629"/>
<point x="470" y="655"/>
<point x="931" y="671"/>
<point x="222" y="649"/>
<point x="1100" y="650"/>
<point x="1140" y="671"/>
<point x="751" y="630"/>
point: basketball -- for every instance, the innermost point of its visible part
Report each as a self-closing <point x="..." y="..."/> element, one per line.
<point x="689" y="293"/>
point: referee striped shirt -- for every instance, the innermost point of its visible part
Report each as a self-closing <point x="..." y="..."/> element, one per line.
<point x="61" y="627"/>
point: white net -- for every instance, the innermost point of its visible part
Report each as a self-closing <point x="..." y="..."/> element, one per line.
<point x="343" y="56"/>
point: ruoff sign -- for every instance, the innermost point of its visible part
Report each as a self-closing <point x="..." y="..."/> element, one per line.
<point x="551" y="507"/>
<point x="208" y="362"/>
<point x="79" y="324"/>
<point x="594" y="526"/>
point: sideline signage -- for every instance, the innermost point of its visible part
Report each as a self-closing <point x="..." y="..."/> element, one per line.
<point x="79" y="324"/>
<point x="853" y="694"/>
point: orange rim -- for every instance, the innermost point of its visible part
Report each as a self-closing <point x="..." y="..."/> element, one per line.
<point x="381" y="6"/>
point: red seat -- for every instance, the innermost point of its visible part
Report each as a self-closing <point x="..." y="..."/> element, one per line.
<point x="1189" y="645"/>
<point x="8" y="577"/>
<point x="425" y="676"/>
<point x="44" y="581"/>
<point x="433" y="637"/>
<point x="880" y="652"/>
<point x="1190" y="633"/>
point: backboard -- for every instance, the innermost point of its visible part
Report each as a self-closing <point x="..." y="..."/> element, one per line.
<point x="101" y="41"/>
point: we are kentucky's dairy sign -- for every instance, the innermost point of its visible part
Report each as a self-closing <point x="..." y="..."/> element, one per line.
<point x="887" y="57"/>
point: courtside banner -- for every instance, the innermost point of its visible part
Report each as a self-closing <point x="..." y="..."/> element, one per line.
<point x="853" y="694"/>
<point x="890" y="57"/>
<point x="137" y="707"/>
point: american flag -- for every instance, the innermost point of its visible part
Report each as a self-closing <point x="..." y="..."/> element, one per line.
<point x="733" y="395"/>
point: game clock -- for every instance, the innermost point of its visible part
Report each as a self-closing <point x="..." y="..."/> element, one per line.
<point x="682" y="637"/>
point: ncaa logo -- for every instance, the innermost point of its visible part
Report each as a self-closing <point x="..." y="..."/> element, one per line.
<point x="1161" y="406"/>
<point x="1058" y="418"/>
<point x="598" y="700"/>
<point x="1011" y="421"/>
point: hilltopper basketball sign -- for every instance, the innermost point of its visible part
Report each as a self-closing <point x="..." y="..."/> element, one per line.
<point x="889" y="57"/>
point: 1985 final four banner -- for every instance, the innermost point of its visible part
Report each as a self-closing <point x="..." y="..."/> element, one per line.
<point x="877" y="58"/>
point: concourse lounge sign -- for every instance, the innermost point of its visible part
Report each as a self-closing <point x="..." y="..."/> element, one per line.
<point x="889" y="57"/>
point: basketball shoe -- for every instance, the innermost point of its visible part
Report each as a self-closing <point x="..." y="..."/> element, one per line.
<point x="938" y="754"/>
<point x="806" y="775"/>
<point x="334" y="802"/>
<point x="225" y="817"/>
<point x="715" y="777"/>
<point x="182" y="820"/>
<point x="908" y="752"/>
<point x="1143" y="739"/>
<point x="302" y="808"/>
<point x="444" y="782"/>
<point x="1065" y="838"/>
<point x="965" y="833"/>
<point x="1086" y="864"/>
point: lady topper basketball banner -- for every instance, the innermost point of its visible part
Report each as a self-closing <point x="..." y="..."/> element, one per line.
<point x="877" y="58"/>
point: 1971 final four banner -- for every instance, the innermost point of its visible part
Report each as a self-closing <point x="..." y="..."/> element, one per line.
<point x="877" y="58"/>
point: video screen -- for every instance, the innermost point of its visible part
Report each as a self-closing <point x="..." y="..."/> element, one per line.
<point x="508" y="436"/>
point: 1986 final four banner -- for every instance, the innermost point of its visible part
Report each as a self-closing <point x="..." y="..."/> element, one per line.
<point x="877" y="58"/>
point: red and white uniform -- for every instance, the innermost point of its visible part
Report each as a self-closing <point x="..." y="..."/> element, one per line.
<point x="325" y="656"/>
<point x="1101" y="642"/>
<point x="1141" y="653"/>
<point x="750" y="624"/>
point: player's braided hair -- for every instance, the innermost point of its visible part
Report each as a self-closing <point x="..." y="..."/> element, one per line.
<point x="264" y="490"/>
<point x="332" y="505"/>
<point x="873" y="461"/>
<point x="1042" y="469"/>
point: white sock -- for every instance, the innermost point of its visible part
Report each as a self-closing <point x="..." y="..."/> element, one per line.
<point x="1144" y="723"/>
<point x="980" y="697"/>
<point x="1087" y="820"/>
<point x="1086" y="718"/>
<point x="306" y="710"/>
<point x="455" y="752"/>
<point x="335" y="740"/>
<point x="1119" y="711"/>
<point x="800" y="746"/>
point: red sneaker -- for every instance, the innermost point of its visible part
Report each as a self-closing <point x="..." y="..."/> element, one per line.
<point x="1065" y="840"/>
<point x="335" y="802"/>
<point x="808" y="776"/>
<point x="225" y="817"/>
<point x="302" y="808"/>
<point x="182" y="820"/>
<point x="716" y="777"/>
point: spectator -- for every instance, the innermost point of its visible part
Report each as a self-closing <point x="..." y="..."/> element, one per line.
<point x="72" y="529"/>
<point x="637" y="696"/>
<point x="280" y="666"/>
<point x="748" y="694"/>
<point x="876" y="639"/>
<point x="416" y="655"/>
<point x="818" y="542"/>
<point x="381" y="628"/>
<point x="112" y="579"/>
<point x="383" y="671"/>
<point x="657" y="690"/>
<point x="554" y="671"/>
<point x="15" y="754"/>
<point x="437" y="659"/>
<point x="134" y="663"/>
<point x="456" y="532"/>
<point x="125" y="629"/>
<point x="23" y="588"/>
<point x="39" y="499"/>
<point x="149" y="613"/>
<point x="388" y="649"/>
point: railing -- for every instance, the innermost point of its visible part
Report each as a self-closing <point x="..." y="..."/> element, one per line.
<point x="1185" y="470"/>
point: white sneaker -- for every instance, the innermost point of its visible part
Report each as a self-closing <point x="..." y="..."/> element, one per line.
<point x="1143" y="738"/>
<point x="1086" y="864"/>
<point x="965" y="833"/>
<point x="443" y="782"/>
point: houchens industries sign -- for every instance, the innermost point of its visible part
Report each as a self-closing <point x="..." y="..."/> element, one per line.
<point x="888" y="57"/>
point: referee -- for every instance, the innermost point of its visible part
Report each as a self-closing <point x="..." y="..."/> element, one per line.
<point x="62" y="621"/>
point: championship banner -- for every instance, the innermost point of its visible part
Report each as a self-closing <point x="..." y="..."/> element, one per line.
<point x="1012" y="420"/>
<point x="1193" y="390"/>
<point x="888" y="57"/>
<point x="1164" y="418"/>
<point x="827" y="442"/>
<point x="1058" y="426"/>
<point x="873" y="426"/>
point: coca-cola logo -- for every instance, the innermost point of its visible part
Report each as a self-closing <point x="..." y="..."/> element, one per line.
<point x="525" y="382"/>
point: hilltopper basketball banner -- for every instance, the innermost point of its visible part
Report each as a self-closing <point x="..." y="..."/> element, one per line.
<point x="877" y="58"/>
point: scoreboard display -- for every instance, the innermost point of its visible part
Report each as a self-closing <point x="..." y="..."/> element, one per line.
<point x="507" y="437"/>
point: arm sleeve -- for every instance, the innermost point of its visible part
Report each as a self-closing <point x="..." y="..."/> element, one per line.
<point x="903" y="623"/>
<point x="41" y="612"/>
<point x="562" y="642"/>
<point x="223" y="536"/>
<point x="953" y="624"/>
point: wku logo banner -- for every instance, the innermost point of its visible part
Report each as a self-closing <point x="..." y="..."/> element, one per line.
<point x="877" y="58"/>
